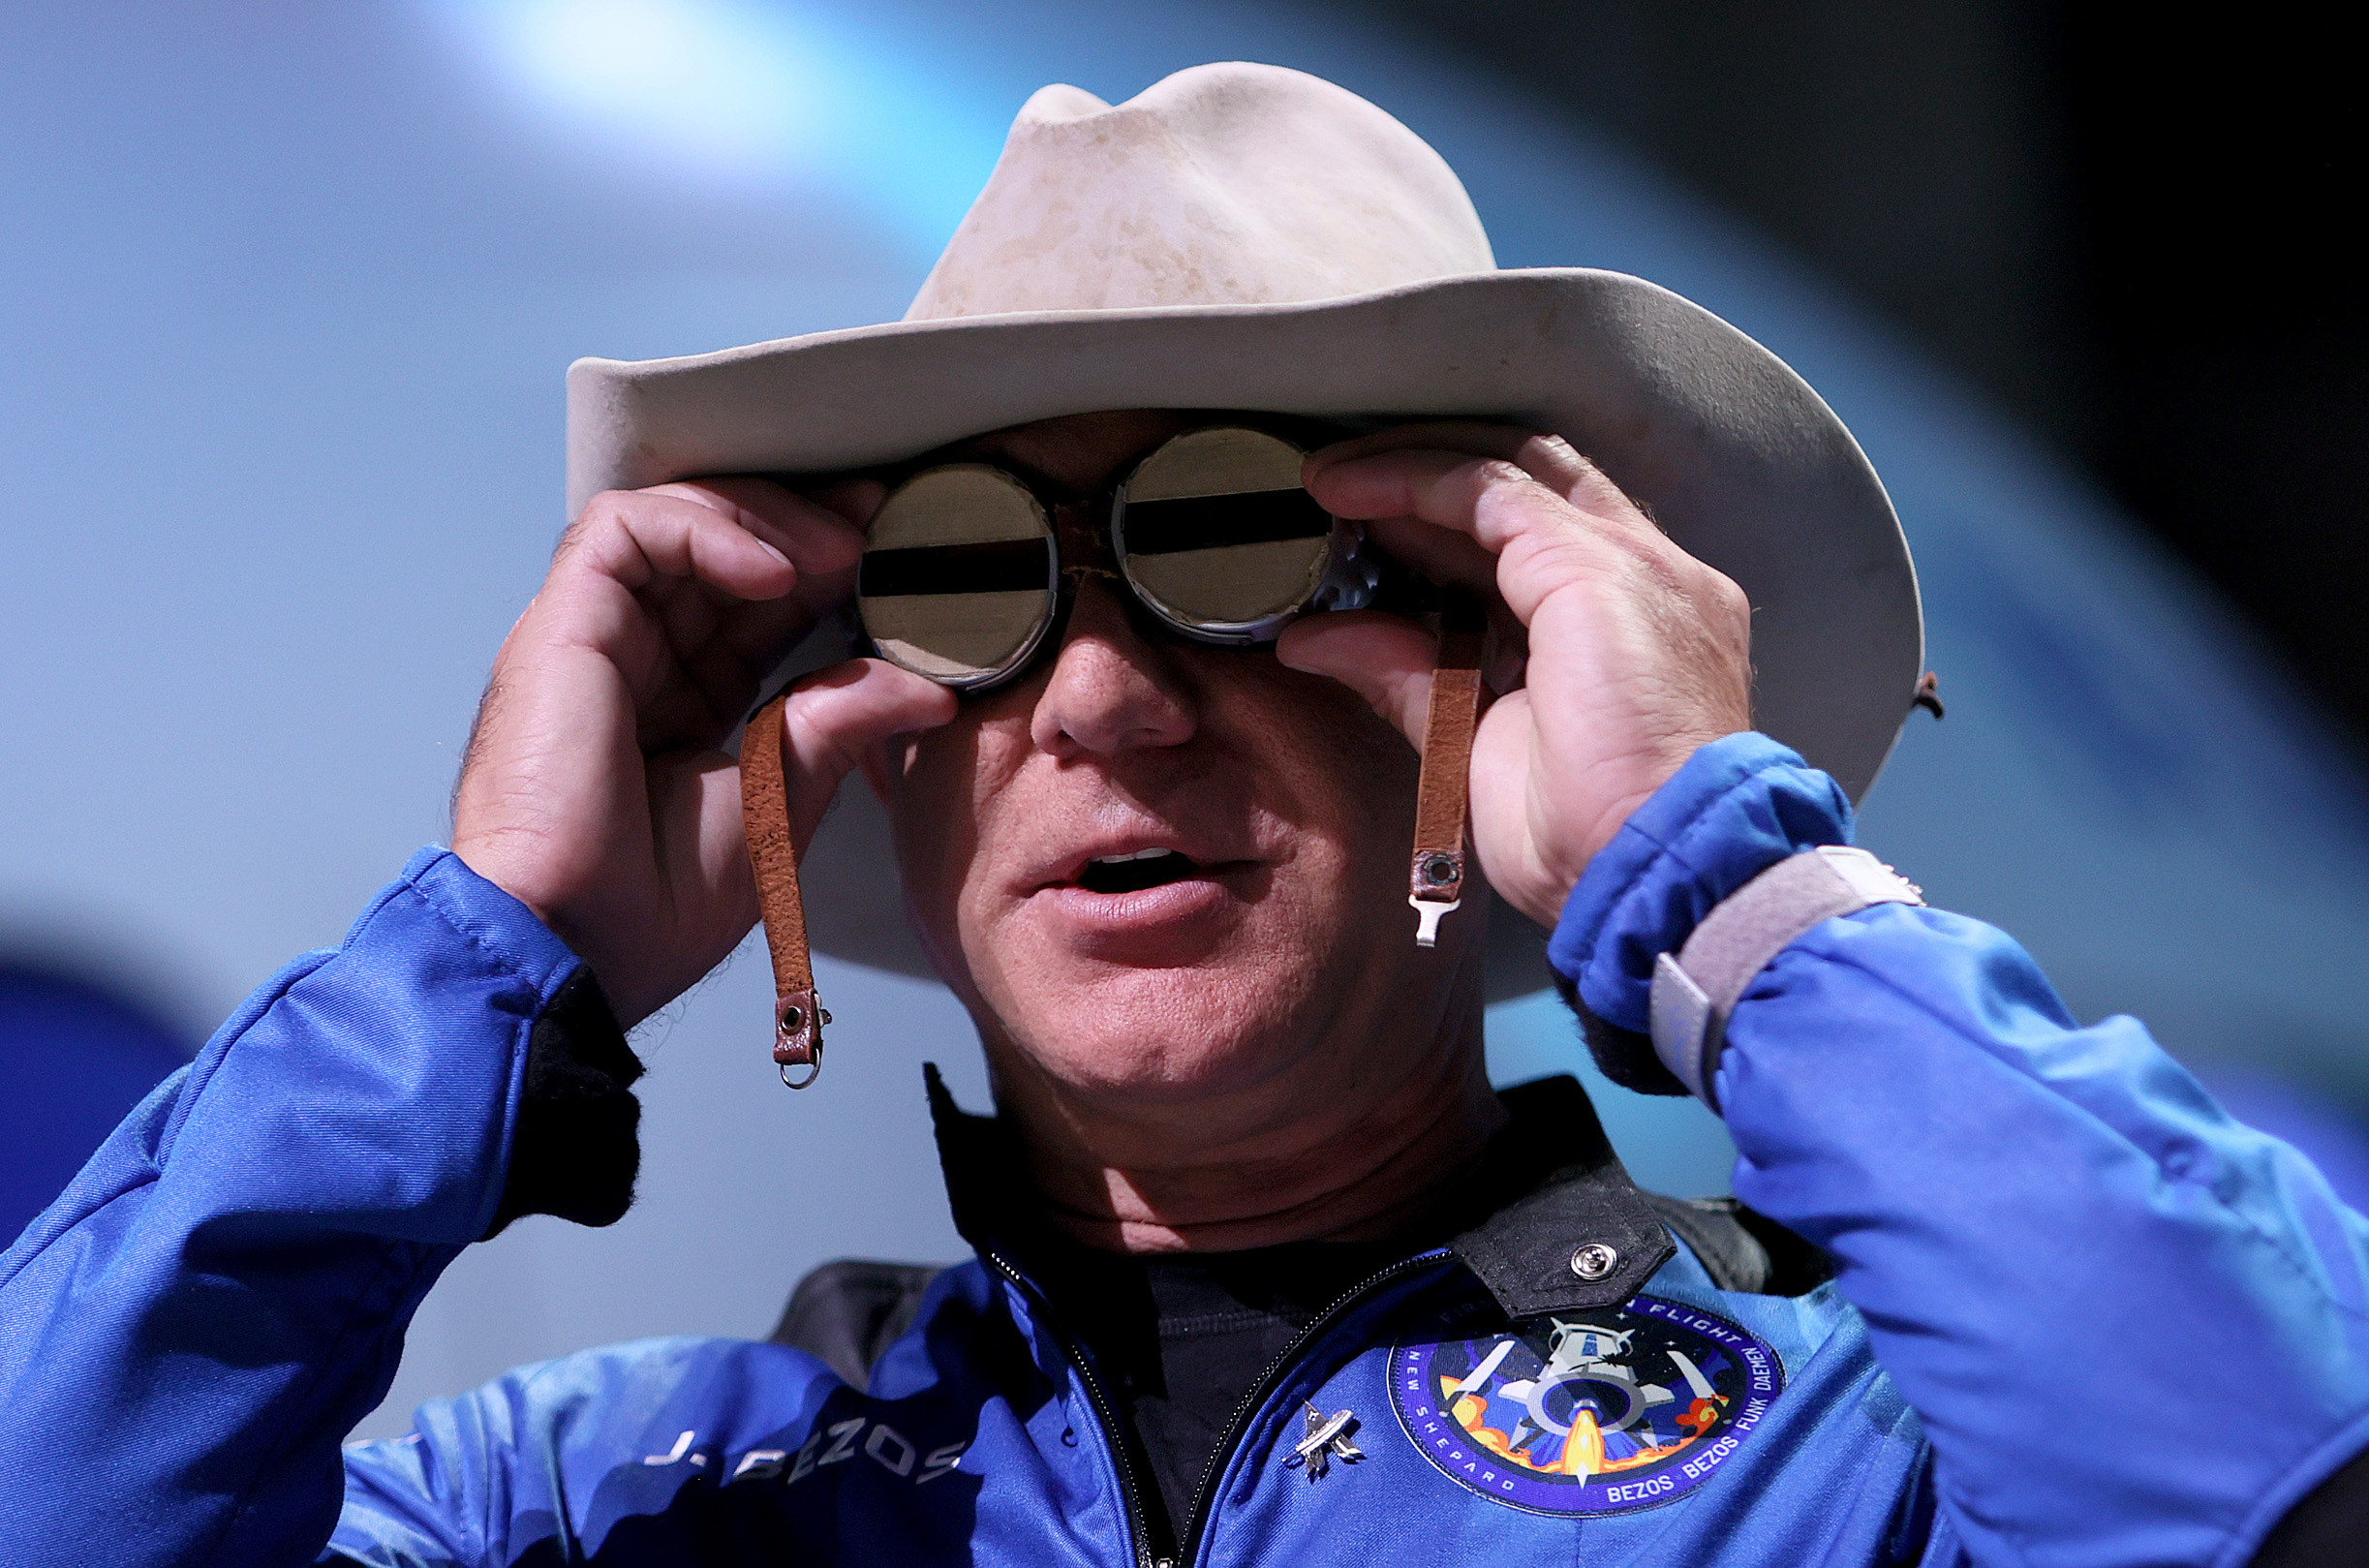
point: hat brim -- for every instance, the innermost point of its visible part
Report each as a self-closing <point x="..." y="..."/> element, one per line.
<point x="1733" y="455"/>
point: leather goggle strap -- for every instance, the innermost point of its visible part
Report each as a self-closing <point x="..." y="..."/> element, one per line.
<point x="764" y="807"/>
<point x="1435" y="879"/>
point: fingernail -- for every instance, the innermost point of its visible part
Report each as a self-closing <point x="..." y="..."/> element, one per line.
<point x="771" y="551"/>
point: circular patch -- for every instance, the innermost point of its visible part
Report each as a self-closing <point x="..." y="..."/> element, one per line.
<point x="1599" y="1413"/>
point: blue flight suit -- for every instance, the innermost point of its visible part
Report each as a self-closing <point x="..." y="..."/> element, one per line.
<point x="2078" y="1316"/>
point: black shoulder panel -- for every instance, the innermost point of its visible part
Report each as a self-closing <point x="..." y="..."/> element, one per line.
<point x="848" y="1311"/>
<point x="1742" y="1250"/>
<point x="2327" y="1526"/>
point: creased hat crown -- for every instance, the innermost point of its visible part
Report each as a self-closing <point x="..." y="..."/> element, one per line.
<point x="1221" y="185"/>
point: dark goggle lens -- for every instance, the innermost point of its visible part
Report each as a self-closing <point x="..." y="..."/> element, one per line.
<point x="958" y="578"/>
<point x="1216" y="535"/>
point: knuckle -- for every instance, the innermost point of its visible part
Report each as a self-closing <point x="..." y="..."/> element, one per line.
<point x="1494" y="473"/>
<point x="610" y="507"/>
<point x="1520" y="502"/>
<point x="604" y="517"/>
<point x="1554" y="451"/>
<point x="1725" y="596"/>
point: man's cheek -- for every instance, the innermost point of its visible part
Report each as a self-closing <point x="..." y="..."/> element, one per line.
<point x="936" y="866"/>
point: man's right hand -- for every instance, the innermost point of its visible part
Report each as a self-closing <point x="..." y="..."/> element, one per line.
<point x="595" y="791"/>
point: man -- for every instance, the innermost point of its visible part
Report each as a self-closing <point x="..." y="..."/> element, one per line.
<point x="1267" y="1273"/>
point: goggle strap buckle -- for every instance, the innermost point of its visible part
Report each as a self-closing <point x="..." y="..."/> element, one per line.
<point x="1427" y="918"/>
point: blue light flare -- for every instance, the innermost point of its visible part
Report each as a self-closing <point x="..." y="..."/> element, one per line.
<point x="741" y="92"/>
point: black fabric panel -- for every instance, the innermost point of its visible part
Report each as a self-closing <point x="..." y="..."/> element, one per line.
<point x="1732" y="1255"/>
<point x="1568" y="1188"/>
<point x="848" y="1311"/>
<point x="1741" y="1249"/>
<point x="1623" y="1056"/>
<point x="577" y="1146"/>
<point x="1796" y="1267"/>
<point x="2329" y="1525"/>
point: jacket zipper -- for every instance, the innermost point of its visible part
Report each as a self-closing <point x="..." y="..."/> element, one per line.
<point x="1189" y="1540"/>
<point x="1138" y="1528"/>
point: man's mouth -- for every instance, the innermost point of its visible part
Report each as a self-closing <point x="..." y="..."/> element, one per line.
<point x="1133" y="872"/>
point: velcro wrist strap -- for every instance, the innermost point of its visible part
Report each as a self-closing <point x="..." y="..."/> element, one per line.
<point x="1695" y="991"/>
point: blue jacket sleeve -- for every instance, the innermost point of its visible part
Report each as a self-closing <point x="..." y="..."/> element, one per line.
<point x="189" y="1331"/>
<point x="2136" y="1331"/>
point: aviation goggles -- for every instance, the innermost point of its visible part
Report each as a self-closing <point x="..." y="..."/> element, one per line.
<point x="967" y="568"/>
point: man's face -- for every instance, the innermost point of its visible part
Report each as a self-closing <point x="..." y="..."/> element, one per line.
<point x="1270" y="952"/>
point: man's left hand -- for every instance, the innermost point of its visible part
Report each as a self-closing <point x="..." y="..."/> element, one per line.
<point x="1638" y="653"/>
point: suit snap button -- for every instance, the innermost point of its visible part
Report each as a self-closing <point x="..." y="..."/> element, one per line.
<point x="1594" y="1261"/>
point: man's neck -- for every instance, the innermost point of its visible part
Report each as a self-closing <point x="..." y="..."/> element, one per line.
<point x="1337" y="1161"/>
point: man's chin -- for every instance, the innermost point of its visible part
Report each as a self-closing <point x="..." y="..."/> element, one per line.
<point x="1163" y="1033"/>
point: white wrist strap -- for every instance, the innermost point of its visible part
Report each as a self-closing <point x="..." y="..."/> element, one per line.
<point x="1694" y="992"/>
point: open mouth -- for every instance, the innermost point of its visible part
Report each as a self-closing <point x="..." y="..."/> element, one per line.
<point x="1134" y="873"/>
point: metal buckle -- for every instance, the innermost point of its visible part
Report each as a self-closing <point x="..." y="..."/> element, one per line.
<point x="1428" y="913"/>
<point x="797" y="1038"/>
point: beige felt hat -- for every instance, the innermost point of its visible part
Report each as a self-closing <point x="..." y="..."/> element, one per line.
<point x="1243" y="237"/>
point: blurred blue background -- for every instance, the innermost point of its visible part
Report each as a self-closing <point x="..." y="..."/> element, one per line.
<point x="286" y="296"/>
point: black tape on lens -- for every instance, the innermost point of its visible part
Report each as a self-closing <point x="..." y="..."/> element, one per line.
<point x="999" y="566"/>
<point x="1214" y="532"/>
<point x="957" y="577"/>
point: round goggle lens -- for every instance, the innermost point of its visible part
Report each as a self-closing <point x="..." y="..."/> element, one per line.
<point x="958" y="578"/>
<point x="1216" y="533"/>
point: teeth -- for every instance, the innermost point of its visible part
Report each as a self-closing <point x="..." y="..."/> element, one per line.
<point x="1140" y="854"/>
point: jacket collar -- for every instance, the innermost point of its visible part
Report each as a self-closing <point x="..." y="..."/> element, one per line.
<point x="1547" y="1189"/>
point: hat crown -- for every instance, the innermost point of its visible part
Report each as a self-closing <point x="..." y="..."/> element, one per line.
<point x="1230" y="184"/>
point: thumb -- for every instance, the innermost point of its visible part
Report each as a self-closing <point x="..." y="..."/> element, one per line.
<point x="1382" y="658"/>
<point x="833" y="715"/>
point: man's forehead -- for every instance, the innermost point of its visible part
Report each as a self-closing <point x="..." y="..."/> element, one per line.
<point x="1079" y="451"/>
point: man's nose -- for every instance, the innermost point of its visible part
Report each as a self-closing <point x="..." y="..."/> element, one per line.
<point x="1111" y="689"/>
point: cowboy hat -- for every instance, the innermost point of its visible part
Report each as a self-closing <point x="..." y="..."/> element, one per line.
<point x="1248" y="237"/>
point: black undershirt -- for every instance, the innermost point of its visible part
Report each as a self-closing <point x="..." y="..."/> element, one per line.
<point x="1179" y="1339"/>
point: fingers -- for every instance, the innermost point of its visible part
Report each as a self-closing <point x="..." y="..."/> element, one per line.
<point x="852" y="499"/>
<point x="1532" y="539"/>
<point x="691" y="591"/>
<point x="749" y="539"/>
<point x="1443" y="474"/>
<point x="1541" y="514"/>
<point x="636" y="538"/>
<point x="1636" y="653"/>
<point x="1472" y="436"/>
<point x="594" y="789"/>
<point x="1442" y="554"/>
<point x="834" y="717"/>
<point x="1383" y="658"/>
<point x="710" y="897"/>
<point x="1492" y="499"/>
<point x="1551" y="460"/>
<point x="644" y="578"/>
